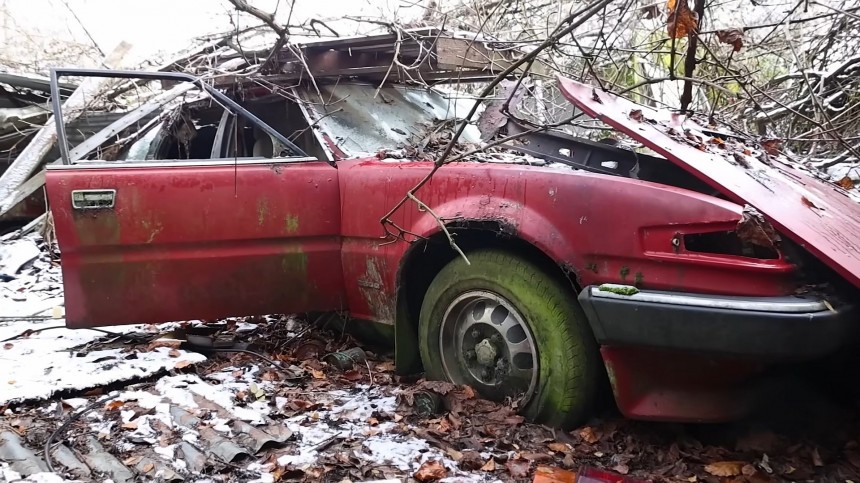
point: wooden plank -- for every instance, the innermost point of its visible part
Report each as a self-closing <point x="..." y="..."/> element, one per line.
<point x="26" y="162"/>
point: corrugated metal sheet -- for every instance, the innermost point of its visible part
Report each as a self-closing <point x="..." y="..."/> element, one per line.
<point x="87" y="458"/>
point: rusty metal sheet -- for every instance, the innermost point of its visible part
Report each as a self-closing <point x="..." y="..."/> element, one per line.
<point x="813" y="213"/>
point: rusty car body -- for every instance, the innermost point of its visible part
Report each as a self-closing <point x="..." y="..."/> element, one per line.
<point x="247" y="201"/>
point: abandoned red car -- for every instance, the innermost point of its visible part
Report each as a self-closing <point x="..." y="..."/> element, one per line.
<point x="582" y="262"/>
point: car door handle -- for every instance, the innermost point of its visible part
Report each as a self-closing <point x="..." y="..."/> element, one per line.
<point x="93" y="199"/>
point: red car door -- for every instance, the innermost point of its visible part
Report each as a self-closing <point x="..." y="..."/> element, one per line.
<point x="155" y="240"/>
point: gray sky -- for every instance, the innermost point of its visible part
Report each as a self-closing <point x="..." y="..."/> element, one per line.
<point x="167" y="25"/>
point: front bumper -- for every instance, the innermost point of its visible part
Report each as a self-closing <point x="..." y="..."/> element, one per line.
<point x="789" y="328"/>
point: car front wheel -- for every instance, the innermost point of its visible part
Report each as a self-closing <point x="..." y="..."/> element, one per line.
<point x="506" y="328"/>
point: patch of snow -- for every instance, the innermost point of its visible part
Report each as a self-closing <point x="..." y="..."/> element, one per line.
<point x="302" y="460"/>
<point x="166" y="452"/>
<point x="16" y="254"/>
<point x="406" y="454"/>
<point x="41" y="365"/>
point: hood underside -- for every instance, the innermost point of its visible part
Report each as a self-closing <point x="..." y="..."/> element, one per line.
<point x="815" y="214"/>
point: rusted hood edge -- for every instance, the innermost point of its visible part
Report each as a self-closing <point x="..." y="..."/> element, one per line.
<point x="813" y="213"/>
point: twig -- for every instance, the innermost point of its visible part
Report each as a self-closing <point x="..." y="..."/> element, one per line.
<point x="424" y="207"/>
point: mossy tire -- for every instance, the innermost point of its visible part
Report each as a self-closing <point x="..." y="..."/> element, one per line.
<point x="565" y="381"/>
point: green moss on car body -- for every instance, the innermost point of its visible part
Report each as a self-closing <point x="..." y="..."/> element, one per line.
<point x="618" y="289"/>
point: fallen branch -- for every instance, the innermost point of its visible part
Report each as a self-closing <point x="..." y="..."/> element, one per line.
<point x="30" y="158"/>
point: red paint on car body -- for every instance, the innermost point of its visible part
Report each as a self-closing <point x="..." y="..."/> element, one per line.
<point x="211" y="239"/>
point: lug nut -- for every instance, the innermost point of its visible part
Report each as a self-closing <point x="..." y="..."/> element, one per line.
<point x="476" y="333"/>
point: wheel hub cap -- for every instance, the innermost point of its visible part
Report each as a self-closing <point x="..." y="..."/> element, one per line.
<point x="486" y="353"/>
<point x="486" y="343"/>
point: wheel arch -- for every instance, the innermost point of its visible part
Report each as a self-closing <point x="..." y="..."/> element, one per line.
<point x="425" y="258"/>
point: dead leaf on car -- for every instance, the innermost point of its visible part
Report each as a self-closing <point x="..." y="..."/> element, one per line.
<point x="636" y="115"/>
<point x="431" y="470"/>
<point x="733" y="37"/>
<point x="725" y="468"/>
<point x="621" y="468"/>
<point x="517" y="467"/>
<point x="682" y="21"/>
<point x="8" y="345"/>
<point x="148" y="467"/>
<point x="846" y="183"/>
<point x="806" y="201"/>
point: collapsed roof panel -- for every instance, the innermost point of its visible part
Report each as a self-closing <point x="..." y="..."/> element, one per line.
<point x="427" y="55"/>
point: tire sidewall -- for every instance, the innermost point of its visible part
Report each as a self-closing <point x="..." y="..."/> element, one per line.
<point x="553" y="321"/>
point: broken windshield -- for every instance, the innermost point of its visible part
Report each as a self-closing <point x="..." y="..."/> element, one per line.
<point x="361" y="121"/>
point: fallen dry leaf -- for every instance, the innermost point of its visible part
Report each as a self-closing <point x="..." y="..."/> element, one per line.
<point x="174" y="353"/>
<point x="317" y="374"/>
<point x="771" y="146"/>
<point x="114" y="405"/>
<point x="431" y="470"/>
<point x="536" y="456"/>
<point x="589" y="435"/>
<point x="454" y="454"/>
<point x="845" y="182"/>
<point x="621" y="468"/>
<point x="132" y="425"/>
<point x="636" y="115"/>
<point x="8" y="345"/>
<point x="559" y="447"/>
<point x="548" y="474"/>
<point x="682" y="21"/>
<point x="182" y="364"/>
<point x="170" y="343"/>
<point x="733" y="37"/>
<point x="353" y="375"/>
<point x="816" y="458"/>
<point x="131" y="461"/>
<point x="490" y="465"/>
<point x="725" y="468"/>
<point x="518" y="468"/>
<point x="270" y="376"/>
<point x="148" y="467"/>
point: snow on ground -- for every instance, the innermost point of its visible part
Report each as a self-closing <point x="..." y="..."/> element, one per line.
<point x="42" y="364"/>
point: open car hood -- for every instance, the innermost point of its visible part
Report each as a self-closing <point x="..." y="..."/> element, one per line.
<point x="818" y="215"/>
